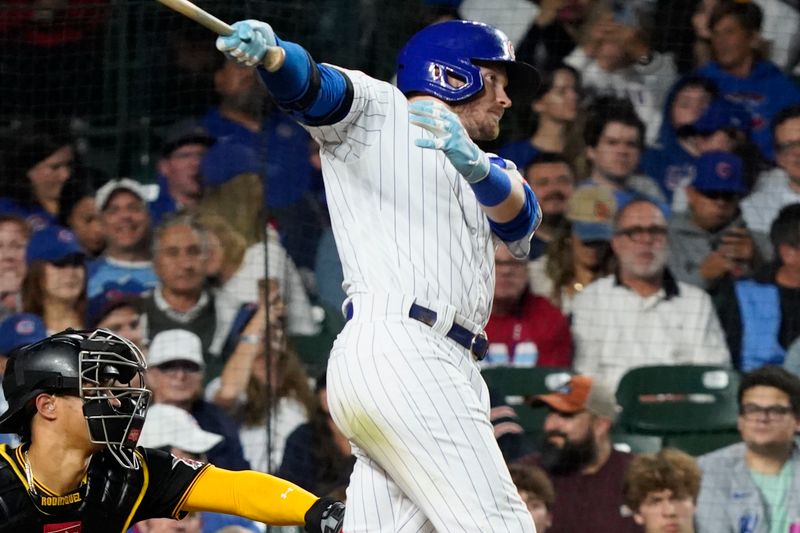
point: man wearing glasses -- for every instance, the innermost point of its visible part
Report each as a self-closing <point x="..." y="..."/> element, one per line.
<point x="711" y="242"/>
<point x="754" y="486"/>
<point x="641" y="315"/>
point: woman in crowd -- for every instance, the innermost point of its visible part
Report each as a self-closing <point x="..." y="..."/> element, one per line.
<point x="264" y="385"/>
<point x="555" y="108"/>
<point x="55" y="285"/>
<point x="36" y="169"/>
<point x="77" y="211"/>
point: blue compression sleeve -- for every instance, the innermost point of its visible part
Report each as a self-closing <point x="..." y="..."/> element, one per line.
<point x="522" y="224"/>
<point x="494" y="188"/>
<point x="313" y="94"/>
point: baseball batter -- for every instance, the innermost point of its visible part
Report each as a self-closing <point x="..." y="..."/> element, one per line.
<point x="75" y="400"/>
<point x="417" y="210"/>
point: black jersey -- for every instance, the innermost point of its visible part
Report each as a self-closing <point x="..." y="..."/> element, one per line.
<point x="110" y="498"/>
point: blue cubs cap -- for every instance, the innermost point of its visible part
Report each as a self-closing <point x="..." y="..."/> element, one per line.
<point x="113" y="296"/>
<point x="54" y="244"/>
<point x="20" y="329"/>
<point x="719" y="172"/>
<point x="722" y="115"/>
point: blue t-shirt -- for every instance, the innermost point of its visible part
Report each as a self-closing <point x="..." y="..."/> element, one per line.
<point x="104" y="270"/>
<point x="670" y="166"/>
<point x="763" y="93"/>
<point x="35" y="215"/>
<point x="520" y="152"/>
<point x="281" y="147"/>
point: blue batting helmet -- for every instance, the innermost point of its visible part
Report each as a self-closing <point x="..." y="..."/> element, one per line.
<point x="452" y="48"/>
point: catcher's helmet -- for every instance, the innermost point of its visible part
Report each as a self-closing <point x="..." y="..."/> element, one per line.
<point x="452" y="48"/>
<point x="105" y="370"/>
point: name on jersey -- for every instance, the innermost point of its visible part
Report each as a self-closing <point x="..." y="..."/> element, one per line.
<point x="53" y="501"/>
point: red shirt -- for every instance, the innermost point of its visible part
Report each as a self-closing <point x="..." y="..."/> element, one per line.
<point x="537" y="321"/>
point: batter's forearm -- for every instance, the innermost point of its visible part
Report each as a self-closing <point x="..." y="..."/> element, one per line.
<point x="508" y="208"/>
<point x="254" y="495"/>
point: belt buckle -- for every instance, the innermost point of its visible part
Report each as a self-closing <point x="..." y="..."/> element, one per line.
<point x="479" y="352"/>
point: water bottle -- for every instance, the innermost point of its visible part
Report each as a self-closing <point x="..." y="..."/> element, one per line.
<point x="526" y="354"/>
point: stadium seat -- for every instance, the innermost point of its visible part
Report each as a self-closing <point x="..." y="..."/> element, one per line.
<point x="665" y="400"/>
<point x="636" y="443"/>
<point x="702" y="443"/>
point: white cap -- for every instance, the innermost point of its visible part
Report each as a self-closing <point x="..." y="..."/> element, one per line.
<point x="104" y="193"/>
<point x="175" y="345"/>
<point x="170" y="426"/>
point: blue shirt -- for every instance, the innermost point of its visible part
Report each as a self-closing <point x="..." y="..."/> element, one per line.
<point x="763" y="93"/>
<point x="520" y="152"/>
<point x="104" y="270"/>
<point x="671" y="166"/>
<point x="282" y="148"/>
<point x="35" y="215"/>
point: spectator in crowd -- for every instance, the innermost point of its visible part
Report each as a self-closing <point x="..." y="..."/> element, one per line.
<point x="55" y="284"/>
<point x="642" y="315"/>
<point x="537" y="492"/>
<point x="180" y="185"/>
<point x="711" y="241"/>
<point x="263" y="384"/>
<point x="508" y="431"/>
<point x="16" y="330"/>
<point x="755" y="485"/>
<point x="37" y="166"/>
<point x="175" y="375"/>
<point x="781" y="186"/>
<point x="553" y="181"/>
<point x="524" y="329"/>
<point x="670" y="162"/>
<point x="760" y="315"/>
<point x="792" y="361"/>
<point x="661" y="490"/>
<point x="119" y="309"/>
<point x="723" y="126"/>
<point x="282" y="151"/>
<point x="580" y="252"/>
<point x="552" y="36"/>
<point x="14" y="236"/>
<point x="181" y="300"/>
<point x="577" y="454"/>
<point x="615" y="60"/>
<point x="614" y="137"/>
<point x="555" y="107"/>
<point x="317" y="456"/>
<point x="125" y="223"/>
<point x="77" y="211"/>
<point x="741" y="73"/>
<point x="175" y="431"/>
<point x="235" y="269"/>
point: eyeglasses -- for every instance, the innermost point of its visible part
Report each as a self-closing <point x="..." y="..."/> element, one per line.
<point x="789" y="145"/>
<point x="639" y="233"/>
<point x="173" y="367"/>
<point x="771" y="412"/>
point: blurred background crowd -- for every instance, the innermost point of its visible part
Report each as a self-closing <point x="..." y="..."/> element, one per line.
<point x="150" y="187"/>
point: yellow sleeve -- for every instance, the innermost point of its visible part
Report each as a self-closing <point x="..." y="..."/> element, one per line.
<point x="254" y="495"/>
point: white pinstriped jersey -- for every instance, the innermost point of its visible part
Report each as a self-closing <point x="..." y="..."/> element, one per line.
<point x="404" y="220"/>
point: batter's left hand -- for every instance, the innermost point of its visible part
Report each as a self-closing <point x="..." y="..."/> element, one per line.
<point x="449" y="137"/>
<point x="326" y="515"/>
<point x="248" y="43"/>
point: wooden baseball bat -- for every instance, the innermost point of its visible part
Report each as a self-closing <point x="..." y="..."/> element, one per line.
<point x="273" y="59"/>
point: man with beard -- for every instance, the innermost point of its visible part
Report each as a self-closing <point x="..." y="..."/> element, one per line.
<point x="754" y="486"/>
<point x="642" y="315"/>
<point x="553" y="181"/>
<point x="246" y="120"/>
<point x="586" y="471"/>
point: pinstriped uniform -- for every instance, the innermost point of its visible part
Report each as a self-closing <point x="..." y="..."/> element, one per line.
<point x="412" y="402"/>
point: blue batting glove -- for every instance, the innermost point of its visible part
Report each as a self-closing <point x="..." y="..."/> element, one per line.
<point x="449" y="137"/>
<point x="248" y="43"/>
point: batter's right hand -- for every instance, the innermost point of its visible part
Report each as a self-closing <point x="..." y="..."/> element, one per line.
<point x="248" y="43"/>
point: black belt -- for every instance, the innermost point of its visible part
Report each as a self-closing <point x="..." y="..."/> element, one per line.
<point x="476" y="343"/>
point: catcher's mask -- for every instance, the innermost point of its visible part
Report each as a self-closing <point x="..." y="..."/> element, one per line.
<point x="105" y="370"/>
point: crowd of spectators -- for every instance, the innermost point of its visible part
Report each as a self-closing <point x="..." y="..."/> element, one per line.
<point x="669" y="183"/>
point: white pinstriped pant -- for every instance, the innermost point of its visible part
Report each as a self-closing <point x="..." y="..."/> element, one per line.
<point x="416" y="409"/>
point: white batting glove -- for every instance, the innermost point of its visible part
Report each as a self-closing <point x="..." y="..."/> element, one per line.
<point x="248" y="43"/>
<point x="449" y="137"/>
